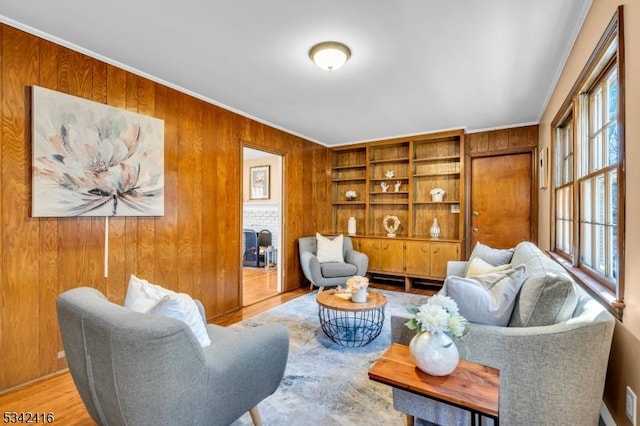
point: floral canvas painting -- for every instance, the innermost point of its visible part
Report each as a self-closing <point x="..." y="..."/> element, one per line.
<point x="90" y="159"/>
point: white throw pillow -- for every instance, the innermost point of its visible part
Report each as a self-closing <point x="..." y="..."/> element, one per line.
<point x="329" y="250"/>
<point x="182" y="307"/>
<point x="145" y="297"/>
<point x="486" y="299"/>
<point x="142" y="296"/>
<point x="477" y="266"/>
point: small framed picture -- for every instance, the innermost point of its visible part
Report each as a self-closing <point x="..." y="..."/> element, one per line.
<point x="259" y="183"/>
<point x="543" y="168"/>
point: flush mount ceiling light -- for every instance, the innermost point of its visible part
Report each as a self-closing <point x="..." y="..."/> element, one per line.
<point x="329" y="55"/>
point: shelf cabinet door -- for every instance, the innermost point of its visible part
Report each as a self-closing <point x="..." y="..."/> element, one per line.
<point x="417" y="256"/>
<point x="441" y="253"/>
<point x="371" y="247"/>
<point x="392" y="256"/>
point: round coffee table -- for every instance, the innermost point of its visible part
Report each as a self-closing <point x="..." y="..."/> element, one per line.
<point x="348" y="323"/>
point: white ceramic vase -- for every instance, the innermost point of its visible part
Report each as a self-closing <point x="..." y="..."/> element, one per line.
<point x="351" y="226"/>
<point x="359" y="296"/>
<point x="434" y="353"/>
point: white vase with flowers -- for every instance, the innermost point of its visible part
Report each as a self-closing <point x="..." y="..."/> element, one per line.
<point x="358" y="287"/>
<point x="436" y="323"/>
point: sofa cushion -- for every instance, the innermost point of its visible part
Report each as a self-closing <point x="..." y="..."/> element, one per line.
<point x="490" y="255"/>
<point x="329" y="250"/>
<point x="548" y="295"/>
<point x="544" y="299"/>
<point x="337" y="269"/>
<point x="486" y="299"/>
<point x="477" y="266"/>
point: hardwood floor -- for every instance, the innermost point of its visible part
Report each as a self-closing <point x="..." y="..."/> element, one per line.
<point x="258" y="284"/>
<point x="58" y="395"/>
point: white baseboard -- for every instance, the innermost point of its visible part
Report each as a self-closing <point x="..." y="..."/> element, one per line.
<point x="605" y="415"/>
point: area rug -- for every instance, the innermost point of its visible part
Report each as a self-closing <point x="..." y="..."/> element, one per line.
<point x="325" y="383"/>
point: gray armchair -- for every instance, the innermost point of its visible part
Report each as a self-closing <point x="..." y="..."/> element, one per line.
<point x="330" y="274"/>
<point x="141" y="369"/>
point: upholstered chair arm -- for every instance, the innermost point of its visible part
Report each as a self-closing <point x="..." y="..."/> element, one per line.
<point x="537" y="366"/>
<point x="310" y="267"/>
<point x="360" y="260"/>
<point x="456" y="267"/>
<point x="257" y="356"/>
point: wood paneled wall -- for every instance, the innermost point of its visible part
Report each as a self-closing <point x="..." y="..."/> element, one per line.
<point x="193" y="248"/>
<point x="516" y="139"/>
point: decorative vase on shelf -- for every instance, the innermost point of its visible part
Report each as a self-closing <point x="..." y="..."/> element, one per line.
<point x="359" y="296"/>
<point x="437" y="194"/>
<point x="351" y="195"/>
<point x="434" y="353"/>
<point x="435" y="229"/>
<point x="351" y="226"/>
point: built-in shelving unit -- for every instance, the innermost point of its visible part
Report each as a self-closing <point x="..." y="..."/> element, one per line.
<point x="396" y="177"/>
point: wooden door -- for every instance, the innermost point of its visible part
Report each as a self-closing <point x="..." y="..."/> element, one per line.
<point x="417" y="258"/>
<point x="441" y="253"/>
<point x="392" y="256"/>
<point x="501" y="200"/>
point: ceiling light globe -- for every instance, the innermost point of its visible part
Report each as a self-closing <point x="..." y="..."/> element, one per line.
<point x="330" y="55"/>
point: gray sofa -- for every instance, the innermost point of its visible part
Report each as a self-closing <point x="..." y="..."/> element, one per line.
<point x="552" y="356"/>
<point x="134" y="368"/>
<point x="330" y="274"/>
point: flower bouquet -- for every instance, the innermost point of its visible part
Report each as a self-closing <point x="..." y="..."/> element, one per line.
<point x="436" y="322"/>
<point x="357" y="285"/>
<point x="439" y="315"/>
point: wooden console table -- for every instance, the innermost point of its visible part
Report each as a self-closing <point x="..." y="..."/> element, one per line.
<point x="473" y="387"/>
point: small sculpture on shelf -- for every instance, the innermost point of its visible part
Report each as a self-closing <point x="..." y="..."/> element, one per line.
<point x="435" y="229"/>
<point x="351" y="195"/>
<point x="397" y="185"/>
<point x="437" y="194"/>
<point x="389" y="174"/>
<point x="385" y="186"/>
<point x="391" y="225"/>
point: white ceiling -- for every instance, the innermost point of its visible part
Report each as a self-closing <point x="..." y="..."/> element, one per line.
<point x="417" y="66"/>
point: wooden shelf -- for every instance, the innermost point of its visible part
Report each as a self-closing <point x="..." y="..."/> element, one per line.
<point x="419" y="175"/>
<point x="349" y="180"/>
<point x="447" y="158"/>
<point x="349" y="203"/>
<point x="355" y="166"/>
<point x="387" y="179"/>
<point x="390" y="160"/>
<point x="390" y="202"/>
<point x="436" y="202"/>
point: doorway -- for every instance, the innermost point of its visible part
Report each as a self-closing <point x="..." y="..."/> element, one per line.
<point x="261" y="231"/>
<point x="501" y="200"/>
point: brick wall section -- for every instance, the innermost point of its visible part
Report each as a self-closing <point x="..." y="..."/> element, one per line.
<point x="262" y="217"/>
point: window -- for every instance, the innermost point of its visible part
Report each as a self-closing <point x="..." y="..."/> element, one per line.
<point x="588" y="149"/>
<point x="563" y="185"/>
